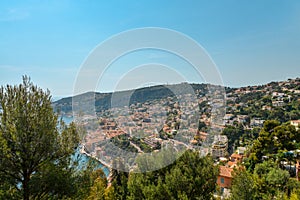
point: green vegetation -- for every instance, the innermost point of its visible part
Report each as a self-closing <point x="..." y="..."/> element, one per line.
<point x="267" y="177"/>
<point x="190" y="177"/>
<point x="243" y="187"/>
<point x="275" y="140"/>
<point x="36" y="148"/>
<point x="251" y="104"/>
<point x="267" y="181"/>
<point x="233" y="134"/>
<point x="122" y="141"/>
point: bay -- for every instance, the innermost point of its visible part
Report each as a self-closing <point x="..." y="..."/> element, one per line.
<point x="83" y="159"/>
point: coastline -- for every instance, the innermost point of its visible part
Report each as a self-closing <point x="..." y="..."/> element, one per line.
<point x="82" y="151"/>
<point x="104" y="166"/>
<point x="103" y="163"/>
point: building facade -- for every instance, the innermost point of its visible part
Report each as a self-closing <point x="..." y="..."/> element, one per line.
<point x="219" y="146"/>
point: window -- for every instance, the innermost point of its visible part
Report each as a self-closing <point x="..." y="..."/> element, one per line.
<point x="222" y="180"/>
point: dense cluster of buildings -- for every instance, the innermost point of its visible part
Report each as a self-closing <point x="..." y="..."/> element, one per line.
<point x="158" y="121"/>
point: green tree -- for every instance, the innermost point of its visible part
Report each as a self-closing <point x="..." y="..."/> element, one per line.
<point x="243" y="187"/>
<point x="35" y="148"/>
<point x="89" y="182"/>
<point x="233" y="134"/>
<point x="120" y="179"/>
<point x="190" y="177"/>
<point x="277" y="178"/>
<point x="98" y="189"/>
<point x="110" y="193"/>
<point x="273" y="140"/>
<point x="272" y="181"/>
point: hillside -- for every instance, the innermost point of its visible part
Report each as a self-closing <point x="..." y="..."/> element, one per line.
<point x="263" y="101"/>
<point x="102" y="101"/>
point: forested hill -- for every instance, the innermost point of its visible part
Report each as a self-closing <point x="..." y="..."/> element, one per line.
<point x="102" y="101"/>
<point x="273" y="94"/>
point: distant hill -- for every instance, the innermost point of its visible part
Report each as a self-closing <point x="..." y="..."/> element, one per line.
<point x="102" y="101"/>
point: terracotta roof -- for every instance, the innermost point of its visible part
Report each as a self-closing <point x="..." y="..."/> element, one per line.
<point x="234" y="155"/>
<point x="296" y="121"/>
<point x="225" y="171"/>
<point x="231" y="164"/>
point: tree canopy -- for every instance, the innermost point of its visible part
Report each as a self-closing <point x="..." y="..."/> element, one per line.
<point x="35" y="147"/>
<point x="190" y="177"/>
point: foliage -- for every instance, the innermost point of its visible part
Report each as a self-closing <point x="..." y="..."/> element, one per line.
<point x="243" y="187"/>
<point x="35" y="148"/>
<point x="233" y="134"/>
<point x="190" y="177"/>
<point x="267" y="181"/>
<point x="98" y="188"/>
<point x="120" y="179"/>
<point x="273" y="139"/>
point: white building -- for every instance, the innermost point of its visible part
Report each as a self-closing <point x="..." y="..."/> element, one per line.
<point x="295" y="123"/>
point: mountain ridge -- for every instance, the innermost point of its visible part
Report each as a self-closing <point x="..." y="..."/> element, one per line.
<point x="102" y="101"/>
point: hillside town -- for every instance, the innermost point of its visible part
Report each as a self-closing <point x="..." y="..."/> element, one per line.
<point x="149" y="126"/>
<point x="150" y="100"/>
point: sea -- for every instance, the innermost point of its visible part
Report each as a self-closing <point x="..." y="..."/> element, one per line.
<point x="83" y="159"/>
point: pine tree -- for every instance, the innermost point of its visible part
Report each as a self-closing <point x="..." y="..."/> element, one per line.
<point x="35" y="148"/>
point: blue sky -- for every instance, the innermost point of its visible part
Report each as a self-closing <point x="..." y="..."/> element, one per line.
<point x="251" y="42"/>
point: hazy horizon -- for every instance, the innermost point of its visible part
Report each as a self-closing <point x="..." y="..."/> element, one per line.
<point x="56" y="98"/>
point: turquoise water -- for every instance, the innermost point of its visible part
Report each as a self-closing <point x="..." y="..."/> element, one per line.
<point x="67" y="119"/>
<point x="83" y="159"/>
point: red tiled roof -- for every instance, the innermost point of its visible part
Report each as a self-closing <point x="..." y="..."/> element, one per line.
<point x="296" y="121"/>
<point x="231" y="164"/>
<point x="236" y="156"/>
<point x="225" y="171"/>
